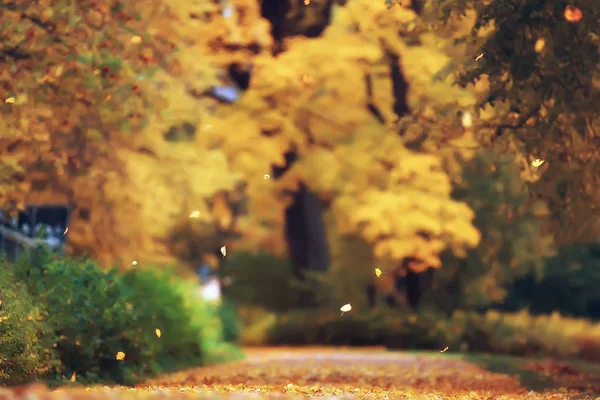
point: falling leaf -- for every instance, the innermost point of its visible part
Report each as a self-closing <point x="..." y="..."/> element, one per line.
<point x="195" y="214"/>
<point x="573" y="14"/>
<point x="467" y="120"/>
<point x="158" y="332"/>
<point x="29" y="318"/>
<point x="73" y="377"/>
<point x="136" y="39"/>
<point x="306" y="2"/>
<point x="129" y="306"/>
<point x="346" y="308"/>
<point x="266" y="176"/>
<point x="444" y="350"/>
<point x="120" y="356"/>
<point x="224" y="251"/>
<point x="479" y="57"/>
<point x="134" y="262"/>
<point x="65" y="232"/>
<point x="10" y="100"/>
<point x="378" y="272"/>
<point x="539" y="45"/>
<point x="537" y="163"/>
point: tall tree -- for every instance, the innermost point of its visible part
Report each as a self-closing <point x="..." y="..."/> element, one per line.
<point x="541" y="62"/>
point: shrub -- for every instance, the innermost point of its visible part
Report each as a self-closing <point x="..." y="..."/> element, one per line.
<point x="493" y="332"/>
<point x="230" y="321"/>
<point x="156" y="319"/>
<point x="569" y="286"/>
<point x="262" y="280"/>
<point x="86" y="309"/>
<point x="22" y="354"/>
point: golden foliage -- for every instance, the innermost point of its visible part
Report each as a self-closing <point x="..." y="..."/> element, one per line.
<point x="312" y="98"/>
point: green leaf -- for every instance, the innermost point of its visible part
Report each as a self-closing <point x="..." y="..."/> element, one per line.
<point x="74" y="19"/>
<point x="84" y="58"/>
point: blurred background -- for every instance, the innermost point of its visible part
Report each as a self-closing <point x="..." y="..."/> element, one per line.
<point x="432" y="164"/>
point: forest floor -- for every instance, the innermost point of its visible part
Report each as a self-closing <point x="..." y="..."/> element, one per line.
<point x="340" y="373"/>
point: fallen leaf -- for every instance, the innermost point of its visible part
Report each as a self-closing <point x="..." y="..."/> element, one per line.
<point x="573" y="14"/>
<point x="467" y="120"/>
<point x="537" y="163"/>
<point x="539" y="45"/>
<point x="195" y="214"/>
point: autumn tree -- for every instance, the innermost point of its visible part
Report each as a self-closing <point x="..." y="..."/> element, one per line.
<point x="541" y="62"/>
<point x="513" y="244"/>
<point x="314" y="98"/>
<point x="331" y="99"/>
<point x="70" y="84"/>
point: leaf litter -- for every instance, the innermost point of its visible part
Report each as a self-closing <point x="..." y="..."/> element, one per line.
<point x="340" y="373"/>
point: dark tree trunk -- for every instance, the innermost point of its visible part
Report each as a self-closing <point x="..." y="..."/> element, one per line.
<point x="409" y="281"/>
<point x="305" y="231"/>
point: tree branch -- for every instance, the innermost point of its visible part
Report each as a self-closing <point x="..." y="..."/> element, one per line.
<point x="522" y="121"/>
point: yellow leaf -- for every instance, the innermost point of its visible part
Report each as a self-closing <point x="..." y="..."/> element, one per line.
<point x="120" y="356"/>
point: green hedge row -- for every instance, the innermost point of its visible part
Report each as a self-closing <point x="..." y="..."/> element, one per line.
<point x="64" y="319"/>
<point x="517" y="334"/>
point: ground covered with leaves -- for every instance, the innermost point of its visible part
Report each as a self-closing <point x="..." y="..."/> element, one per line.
<point x="361" y="374"/>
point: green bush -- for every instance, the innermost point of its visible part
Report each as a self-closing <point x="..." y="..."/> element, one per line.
<point x="493" y="332"/>
<point x="156" y="319"/>
<point x="262" y="280"/>
<point x="230" y="321"/>
<point x="569" y="285"/>
<point x="22" y="354"/>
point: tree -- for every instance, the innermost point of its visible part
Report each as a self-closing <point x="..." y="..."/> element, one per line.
<point x="541" y="61"/>
<point x="513" y="244"/>
<point x="71" y="89"/>
<point x="209" y="145"/>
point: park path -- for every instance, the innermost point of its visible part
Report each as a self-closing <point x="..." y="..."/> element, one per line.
<point x="287" y="373"/>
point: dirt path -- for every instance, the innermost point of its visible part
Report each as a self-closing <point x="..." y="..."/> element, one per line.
<point x="341" y="373"/>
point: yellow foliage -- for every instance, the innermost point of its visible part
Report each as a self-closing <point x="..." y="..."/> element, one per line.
<point x="313" y="98"/>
